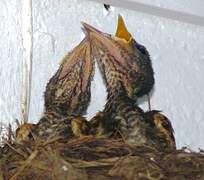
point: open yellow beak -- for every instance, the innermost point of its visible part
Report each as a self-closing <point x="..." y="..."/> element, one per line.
<point x="122" y="31"/>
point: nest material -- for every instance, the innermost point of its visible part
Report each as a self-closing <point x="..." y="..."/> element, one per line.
<point x="96" y="158"/>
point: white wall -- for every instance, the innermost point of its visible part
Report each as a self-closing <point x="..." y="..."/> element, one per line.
<point x="10" y="59"/>
<point x="177" y="51"/>
<point x="189" y="6"/>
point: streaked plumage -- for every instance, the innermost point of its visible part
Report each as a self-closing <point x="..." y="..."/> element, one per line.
<point x="102" y="125"/>
<point x="24" y="132"/>
<point x="67" y="94"/>
<point x="80" y="126"/>
<point x="128" y="74"/>
<point x="164" y="131"/>
<point x="124" y="59"/>
<point x="68" y="91"/>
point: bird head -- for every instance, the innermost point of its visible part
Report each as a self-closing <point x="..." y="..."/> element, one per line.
<point x="122" y="59"/>
<point x="79" y="126"/>
<point x="24" y="132"/>
<point x="163" y="126"/>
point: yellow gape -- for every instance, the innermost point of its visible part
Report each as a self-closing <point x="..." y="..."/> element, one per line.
<point x="122" y="31"/>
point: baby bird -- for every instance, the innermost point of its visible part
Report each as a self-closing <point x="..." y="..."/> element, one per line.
<point x="127" y="72"/>
<point x="80" y="126"/>
<point x="68" y="91"/>
<point x="102" y="125"/>
<point x="127" y="60"/>
<point x="67" y="95"/>
<point x="164" y="131"/>
<point x="24" y="132"/>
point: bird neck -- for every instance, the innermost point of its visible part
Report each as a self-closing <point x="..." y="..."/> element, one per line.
<point x="116" y="96"/>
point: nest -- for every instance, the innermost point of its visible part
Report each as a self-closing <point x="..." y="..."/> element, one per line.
<point x="95" y="158"/>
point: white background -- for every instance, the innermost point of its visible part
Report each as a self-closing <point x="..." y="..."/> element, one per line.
<point x="176" y="49"/>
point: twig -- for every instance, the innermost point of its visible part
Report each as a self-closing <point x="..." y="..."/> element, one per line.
<point x="26" y="163"/>
<point x="80" y="140"/>
<point x="1" y="174"/>
<point x="17" y="123"/>
<point x="18" y="152"/>
<point x="49" y="141"/>
<point x="9" y="133"/>
<point x="84" y="164"/>
<point x="149" y="103"/>
<point x="122" y="136"/>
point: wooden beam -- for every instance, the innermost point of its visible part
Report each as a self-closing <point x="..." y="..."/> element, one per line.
<point x="156" y="11"/>
<point x="27" y="37"/>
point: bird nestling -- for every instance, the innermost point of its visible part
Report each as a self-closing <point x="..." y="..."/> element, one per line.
<point x="164" y="132"/>
<point x="120" y="66"/>
<point x="102" y="125"/>
<point x="68" y="91"/>
<point x="67" y="95"/>
<point x="123" y="58"/>
<point x="80" y="126"/>
<point x="127" y="72"/>
<point x="24" y="132"/>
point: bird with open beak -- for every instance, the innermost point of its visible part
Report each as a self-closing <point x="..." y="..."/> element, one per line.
<point x="124" y="59"/>
<point x="68" y="91"/>
<point x="127" y="72"/>
<point x="67" y="95"/>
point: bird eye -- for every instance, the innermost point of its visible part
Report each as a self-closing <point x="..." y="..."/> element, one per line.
<point x="142" y="49"/>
